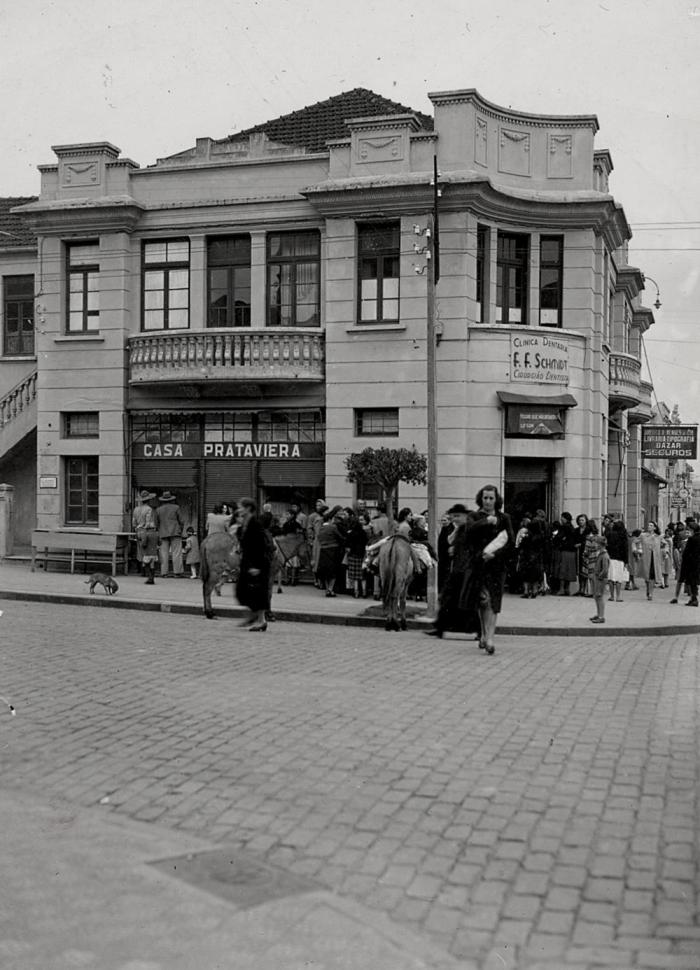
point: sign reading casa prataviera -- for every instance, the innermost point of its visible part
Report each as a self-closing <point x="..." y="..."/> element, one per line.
<point x="670" y="441"/>
<point x="538" y="360"/>
<point x="262" y="450"/>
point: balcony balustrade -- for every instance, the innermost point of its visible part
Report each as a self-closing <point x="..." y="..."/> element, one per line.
<point x="625" y="378"/>
<point x="194" y="356"/>
<point x="641" y="414"/>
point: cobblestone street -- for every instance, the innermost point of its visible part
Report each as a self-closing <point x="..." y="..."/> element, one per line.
<point x="533" y="809"/>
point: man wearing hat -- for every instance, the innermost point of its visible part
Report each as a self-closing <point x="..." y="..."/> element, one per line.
<point x="170" y="526"/>
<point x="144" y="522"/>
<point x="451" y="591"/>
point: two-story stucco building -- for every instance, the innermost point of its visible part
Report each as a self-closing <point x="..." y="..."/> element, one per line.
<point x="238" y="318"/>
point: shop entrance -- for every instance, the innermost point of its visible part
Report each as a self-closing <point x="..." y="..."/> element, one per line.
<point x="527" y="487"/>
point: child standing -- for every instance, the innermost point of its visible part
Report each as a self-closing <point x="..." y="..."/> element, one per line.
<point x="599" y="578"/>
<point x="192" y="552"/>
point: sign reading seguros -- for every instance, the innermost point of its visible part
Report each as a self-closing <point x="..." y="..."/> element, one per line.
<point x="538" y="359"/>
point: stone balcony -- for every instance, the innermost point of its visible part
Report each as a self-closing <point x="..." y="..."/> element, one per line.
<point x="641" y="414"/>
<point x="196" y="356"/>
<point x="625" y="379"/>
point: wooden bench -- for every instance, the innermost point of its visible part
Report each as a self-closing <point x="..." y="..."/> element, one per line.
<point x="81" y="548"/>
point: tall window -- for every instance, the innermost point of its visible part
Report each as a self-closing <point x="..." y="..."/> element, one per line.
<point x="293" y="275"/>
<point x="228" y="264"/>
<point x="482" y="241"/>
<point x="512" y="278"/>
<point x="82" y="491"/>
<point x="551" y="280"/>
<point x="18" y="307"/>
<point x="166" y="285"/>
<point x="83" y="289"/>
<point x="379" y="247"/>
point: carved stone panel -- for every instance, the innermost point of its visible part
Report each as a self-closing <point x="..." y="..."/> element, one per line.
<point x="559" y="156"/>
<point x="78" y="174"/>
<point x="481" y="130"/>
<point x="514" y="151"/>
<point x="379" y="148"/>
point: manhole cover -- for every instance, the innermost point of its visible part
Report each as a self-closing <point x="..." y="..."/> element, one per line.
<point x="235" y="876"/>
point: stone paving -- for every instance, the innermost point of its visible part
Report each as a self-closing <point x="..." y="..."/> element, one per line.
<point x="537" y="809"/>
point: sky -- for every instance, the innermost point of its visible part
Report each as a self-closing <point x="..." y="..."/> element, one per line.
<point x="151" y="76"/>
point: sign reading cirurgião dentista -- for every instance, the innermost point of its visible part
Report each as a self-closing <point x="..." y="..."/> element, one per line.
<point x="538" y="359"/>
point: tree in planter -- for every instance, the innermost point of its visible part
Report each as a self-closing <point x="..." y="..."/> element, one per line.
<point x="387" y="467"/>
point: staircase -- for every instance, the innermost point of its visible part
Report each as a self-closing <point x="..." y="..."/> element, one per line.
<point x="17" y="413"/>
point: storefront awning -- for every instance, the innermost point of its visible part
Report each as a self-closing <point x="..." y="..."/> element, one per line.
<point x="538" y="400"/>
<point x="647" y="473"/>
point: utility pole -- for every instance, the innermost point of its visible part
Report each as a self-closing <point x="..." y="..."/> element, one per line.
<point x="431" y="385"/>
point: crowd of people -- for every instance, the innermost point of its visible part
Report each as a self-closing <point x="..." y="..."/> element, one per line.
<point x="478" y="553"/>
<point x="555" y="557"/>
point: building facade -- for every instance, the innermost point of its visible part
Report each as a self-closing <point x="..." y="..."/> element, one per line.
<point x="238" y="318"/>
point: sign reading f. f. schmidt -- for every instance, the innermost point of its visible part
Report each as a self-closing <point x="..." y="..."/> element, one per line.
<point x="670" y="441"/>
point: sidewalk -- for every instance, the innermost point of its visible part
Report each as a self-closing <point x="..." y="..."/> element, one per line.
<point x="544" y="616"/>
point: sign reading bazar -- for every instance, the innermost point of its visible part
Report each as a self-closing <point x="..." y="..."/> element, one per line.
<point x="538" y="359"/>
<point x="262" y="450"/>
<point x="670" y="441"/>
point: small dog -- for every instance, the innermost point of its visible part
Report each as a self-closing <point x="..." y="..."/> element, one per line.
<point x="108" y="583"/>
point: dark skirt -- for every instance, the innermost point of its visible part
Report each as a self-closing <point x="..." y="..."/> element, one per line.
<point x="329" y="560"/>
<point x="253" y="591"/>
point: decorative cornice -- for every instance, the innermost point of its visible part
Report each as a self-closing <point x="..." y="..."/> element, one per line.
<point x="83" y="215"/>
<point x="475" y="193"/>
<point x="384" y="121"/>
<point x="642" y="318"/>
<point x="86" y="148"/>
<point x="630" y="280"/>
<point x="472" y="96"/>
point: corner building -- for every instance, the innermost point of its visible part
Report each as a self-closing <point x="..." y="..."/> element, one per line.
<point x="238" y="318"/>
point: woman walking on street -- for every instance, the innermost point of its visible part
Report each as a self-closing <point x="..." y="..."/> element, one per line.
<point x="252" y="588"/>
<point x="649" y="545"/>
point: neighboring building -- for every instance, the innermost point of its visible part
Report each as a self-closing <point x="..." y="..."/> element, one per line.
<point x="240" y="317"/>
<point x="18" y="370"/>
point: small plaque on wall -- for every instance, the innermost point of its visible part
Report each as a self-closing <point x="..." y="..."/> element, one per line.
<point x="48" y="481"/>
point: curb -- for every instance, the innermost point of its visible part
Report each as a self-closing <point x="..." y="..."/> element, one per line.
<point x="341" y="619"/>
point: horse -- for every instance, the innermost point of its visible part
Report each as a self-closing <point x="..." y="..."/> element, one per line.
<point x="396" y="570"/>
<point x="292" y="552"/>
<point x="220" y="560"/>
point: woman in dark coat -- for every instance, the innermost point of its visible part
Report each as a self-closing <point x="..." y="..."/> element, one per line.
<point x="690" y="567"/>
<point x="331" y="549"/>
<point x="253" y="586"/>
<point x="531" y="559"/>
<point x="489" y="541"/>
<point x="564" y="562"/>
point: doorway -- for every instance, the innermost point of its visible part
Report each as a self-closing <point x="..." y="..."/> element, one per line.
<point x="527" y="487"/>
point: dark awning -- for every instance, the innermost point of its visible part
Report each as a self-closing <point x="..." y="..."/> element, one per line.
<point x="648" y="473"/>
<point x="538" y="400"/>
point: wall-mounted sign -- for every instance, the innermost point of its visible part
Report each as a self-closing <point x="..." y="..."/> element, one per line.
<point x="539" y="359"/>
<point x="235" y="450"/>
<point x="48" y="481"/>
<point x="670" y="441"/>
<point x="536" y="422"/>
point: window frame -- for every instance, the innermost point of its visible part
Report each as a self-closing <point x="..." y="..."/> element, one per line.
<point x="166" y="267"/>
<point x="87" y="273"/>
<point x="504" y="264"/>
<point x="90" y="428"/>
<point x="360" y="414"/>
<point x="380" y="255"/>
<point x="87" y="469"/>
<point x="235" y="316"/>
<point x="19" y="301"/>
<point x="558" y="266"/>
<point x="294" y="261"/>
<point x="483" y="237"/>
